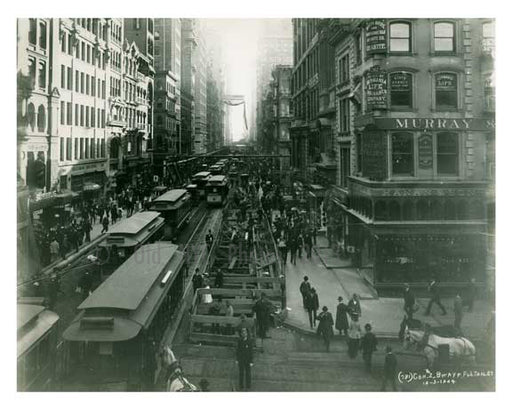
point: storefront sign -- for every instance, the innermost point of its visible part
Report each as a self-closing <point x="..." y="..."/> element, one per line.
<point x="376" y="37"/>
<point x="400" y="82"/>
<point x="376" y="89"/>
<point x="425" y="156"/>
<point x="374" y="156"/>
<point x="473" y="124"/>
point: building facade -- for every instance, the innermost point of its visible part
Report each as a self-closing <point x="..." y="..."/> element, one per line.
<point x="281" y="76"/>
<point x="188" y="80"/>
<point x="416" y="131"/>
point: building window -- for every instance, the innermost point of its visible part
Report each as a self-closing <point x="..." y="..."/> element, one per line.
<point x="82" y="83"/>
<point x="488" y="38"/>
<point x="41" y="119"/>
<point x="88" y="53"/>
<point x="69" y="114"/>
<point x="93" y="123"/>
<point x="93" y="148"/>
<point x="81" y="148"/>
<point x="402" y="153"/>
<point x="31" y="116"/>
<point x="93" y="86"/>
<point x="400" y="37"/>
<point x="400" y="85"/>
<point x="76" y="149"/>
<point x="63" y="44"/>
<point x="345" y="166"/>
<point x="344" y="70"/>
<point x="62" y="112"/>
<point x="32" y="31"/>
<point x="62" y="149"/>
<point x="70" y="45"/>
<point x="83" y="51"/>
<point x="444" y="37"/>
<point x="98" y="119"/>
<point x="87" y="124"/>
<point x="447" y="153"/>
<point x="42" y="75"/>
<point x="70" y="79"/>
<point x="62" y="76"/>
<point x="82" y="115"/>
<point x="86" y="153"/>
<point x="32" y="70"/>
<point x="69" y="148"/>
<point x="77" y="114"/>
<point x="345" y="115"/>
<point x="446" y="91"/>
<point x="42" y="35"/>
<point x="77" y="49"/>
<point x="77" y="81"/>
<point x="87" y="84"/>
<point x="489" y="93"/>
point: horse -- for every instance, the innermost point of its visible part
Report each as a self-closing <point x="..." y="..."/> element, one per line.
<point x="172" y="372"/>
<point x="459" y="347"/>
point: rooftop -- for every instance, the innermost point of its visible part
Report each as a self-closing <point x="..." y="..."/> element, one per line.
<point x="171" y="196"/>
<point x="135" y="223"/>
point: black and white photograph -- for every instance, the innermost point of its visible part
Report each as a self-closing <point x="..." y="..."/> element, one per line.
<point x="298" y="203"/>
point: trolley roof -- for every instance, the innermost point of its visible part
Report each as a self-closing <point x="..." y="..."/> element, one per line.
<point x="131" y="282"/>
<point x="171" y="196"/>
<point x="41" y="321"/>
<point x="135" y="223"/>
<point x="202" y="174"/>
<point x="217" y="179"/>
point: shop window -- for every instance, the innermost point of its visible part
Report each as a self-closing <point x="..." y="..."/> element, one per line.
<point x="444" y="37"/>
<point x="32" y="31"/>
<point x="402" y="153"/>
<point x="400" y="85"/>
<point x="41" y="119"/>
<point x="400" y="37"/>
<point x="446" y="91"/>
<point x="447" y="153"/>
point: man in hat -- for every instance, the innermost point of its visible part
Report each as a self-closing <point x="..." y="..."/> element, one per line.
<point x="341" y="316"/>
<point x="262" y="309"/>
<point x="390" y="364"/>
<point x="435" y="297"/>
<point x="354" y="307"/>
<point x="197" y="280"/>
<point x="305" y="289"/>
<point x="325" y="324"/>
<point x="368" y="346"/>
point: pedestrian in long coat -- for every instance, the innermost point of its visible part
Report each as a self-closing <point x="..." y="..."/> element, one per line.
<point x="409" y="301"/>
<point x="325" y="324"/>
<point x="262" y="309"/>
<point x="244" y="359"/>
<point x="305" y="288"/>
<point x="368" y="346"/>
<point x="354" y="336"/>
<point x="435" y="297"/>
<point x="390" y="364"/>
<point x="312" y="305"/>
<point x="341" y="316"/>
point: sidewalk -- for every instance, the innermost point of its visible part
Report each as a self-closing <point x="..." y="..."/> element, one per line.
<point x="384" y="314"/>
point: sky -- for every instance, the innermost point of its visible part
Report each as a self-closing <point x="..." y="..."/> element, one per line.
<point x="239" y="38"/>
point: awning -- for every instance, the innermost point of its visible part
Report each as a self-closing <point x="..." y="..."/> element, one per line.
<point x="121" y="330"/>
<point x="52" y="199"/>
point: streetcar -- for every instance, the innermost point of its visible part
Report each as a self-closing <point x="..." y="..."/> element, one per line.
<point x="217" y="190"/>
<point x="124" y="238"/>
<point x="37" y="329"/>
<point x="112" y="341"/>
<point x="175" y="206"/>
<point x="200" y="179"/>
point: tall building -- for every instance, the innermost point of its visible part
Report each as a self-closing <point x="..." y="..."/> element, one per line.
<point x="189" y="43"/>
<point x="415" y="136"/>
<point x="200" y="89"/>
<point x="167" y="93"/>
<point x="271" y="51"/>
<point x="281" y="76"/>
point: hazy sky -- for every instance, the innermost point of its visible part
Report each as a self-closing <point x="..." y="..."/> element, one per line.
<point x="239" y="38"/>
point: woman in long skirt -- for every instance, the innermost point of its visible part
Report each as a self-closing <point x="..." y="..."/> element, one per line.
<point x="354" y="336"/>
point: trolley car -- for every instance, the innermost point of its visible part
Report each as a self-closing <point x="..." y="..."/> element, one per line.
<point x="112" y="341"/>
<point x="217" y="190"/>
<point x="37" y="344"/>
<point x="175" y="206"/>
<point x="130" y="234"/>
<point x="200" y="179"/>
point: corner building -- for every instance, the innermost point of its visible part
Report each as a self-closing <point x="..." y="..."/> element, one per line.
<point x="419" y="122"/>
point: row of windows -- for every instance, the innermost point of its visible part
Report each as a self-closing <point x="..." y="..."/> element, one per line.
<point x="115" y="87"/>
<point x="85" y="116"/>
<point x="40" y="118"/>
<point x="84" y="83"/>
<point x="130" y="67"/>
<point x="116" y="32"/>
<point x="41" y="72"/>
<point x="94" y="26"/>
<point x="84" y="148"/>
<point x="115" y="60"/>
<point x="83" y="51"/>
<point x="36" y="29"/>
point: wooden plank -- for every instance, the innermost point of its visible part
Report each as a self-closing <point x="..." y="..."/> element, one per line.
<point x="205" y="310"/>
<point x="225" y="320"/>
<point x="213" y="338"/>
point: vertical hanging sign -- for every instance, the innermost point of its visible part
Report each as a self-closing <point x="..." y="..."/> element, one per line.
<point x="376" y="89"/>
<point x="376" y="41"/>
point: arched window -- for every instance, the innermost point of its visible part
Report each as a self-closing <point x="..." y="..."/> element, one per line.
<point x="42" y="75"/>
<point x="42" y="35"/>
<point x="41" y="119"/>
<point x="446" y="91"/>
<point x="402" y="155"/>
<point x="400" y="37"/>
<point x="444" y="37"/>
<point x="32" y="31"/>
<point x="400" y="88"/>
<point x="31" y="116"/>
